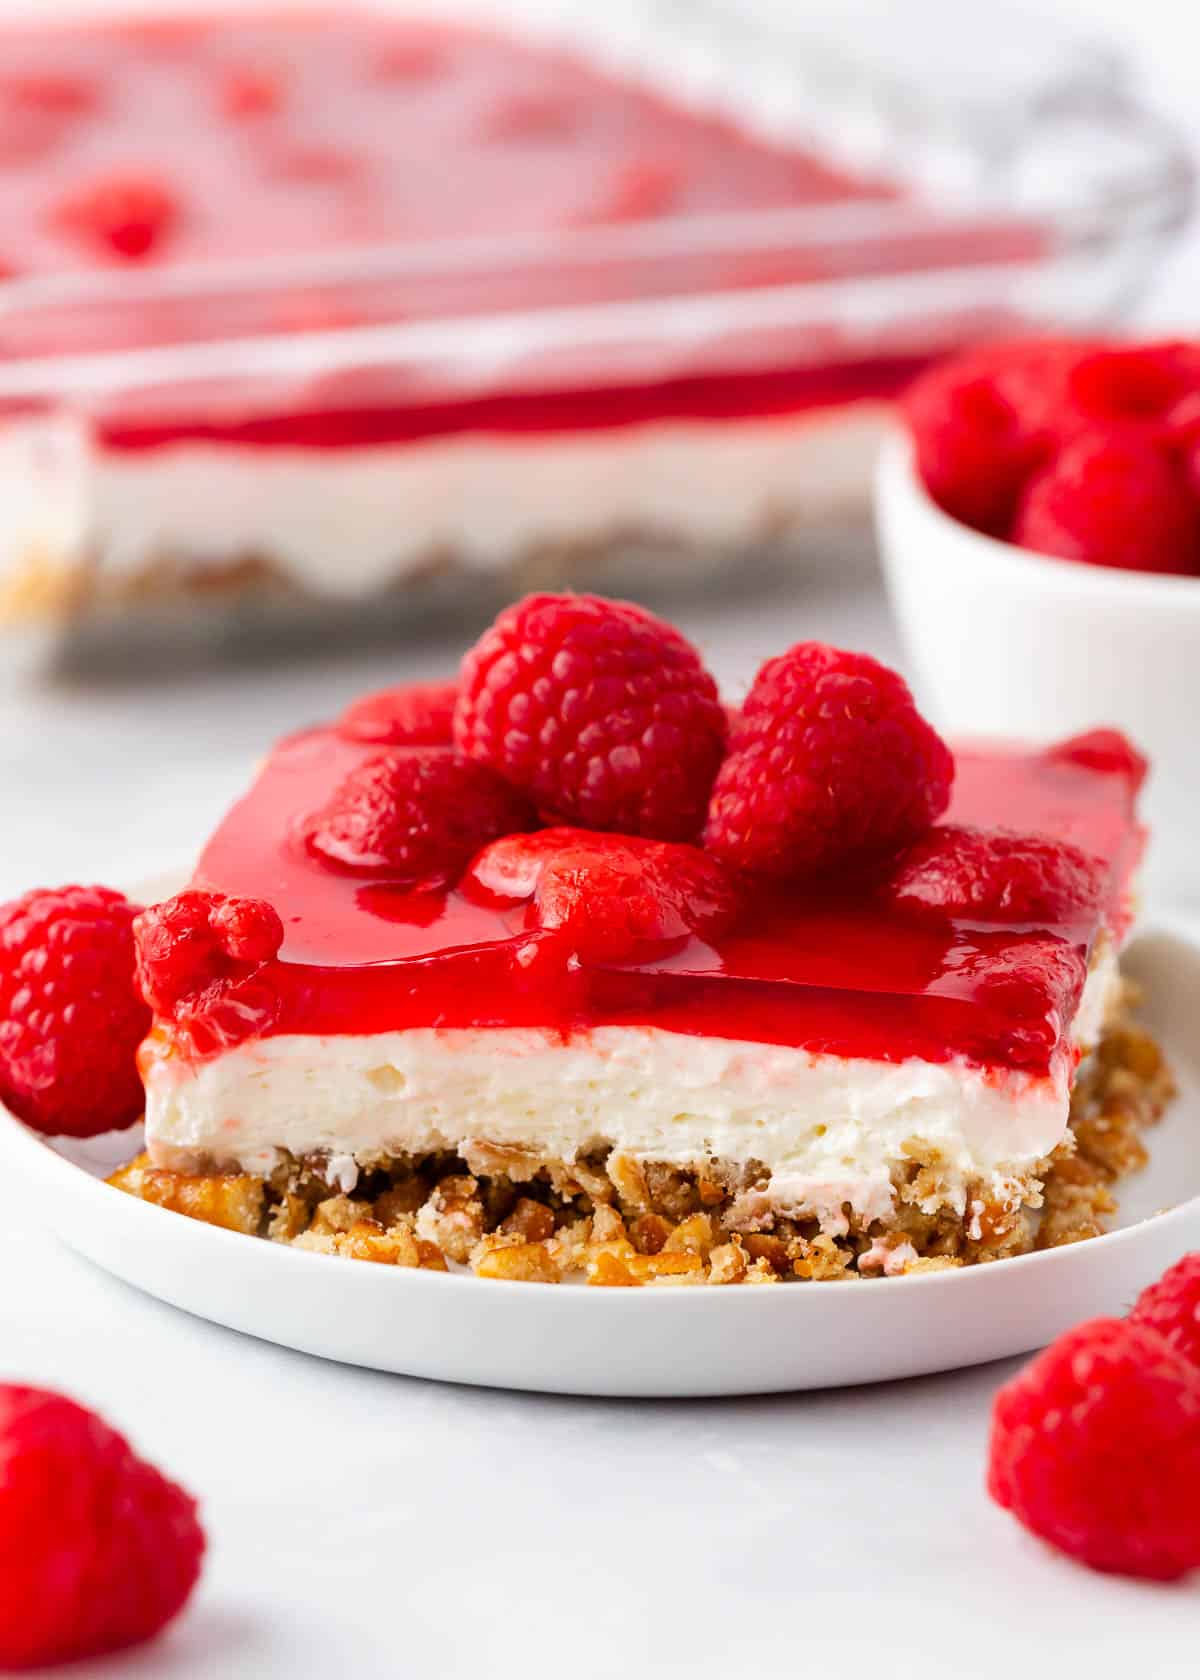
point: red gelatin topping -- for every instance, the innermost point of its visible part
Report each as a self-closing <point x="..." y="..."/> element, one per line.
<point x="820" y="971"/>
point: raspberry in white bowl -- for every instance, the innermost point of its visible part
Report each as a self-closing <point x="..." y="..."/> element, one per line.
<point x="1039" y="522"/>
<point x="1080" y="451"/>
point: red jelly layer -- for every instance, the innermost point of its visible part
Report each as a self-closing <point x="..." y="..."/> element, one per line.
<point x="816" y="973"/>
<point x="340" y="418"/>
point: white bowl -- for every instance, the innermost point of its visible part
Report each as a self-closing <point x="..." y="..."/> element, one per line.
<point x="1009" y="643"/>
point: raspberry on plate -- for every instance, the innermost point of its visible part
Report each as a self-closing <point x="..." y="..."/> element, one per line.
<point x="1172" y="1307"/>
<point x="1103" y="749"/>
<point x="412" y="715"/>
<point x="127" y="216"/>
<point x="832" y="768"/>
<point x="996" y="876"/>
<point x="200" y="957"/>
<point x="98" y="1550"/>
<point x="417" y="816"/>
<point x="1095" y="1447"/>
<point x="600" y="712"/>
<point x="1111" y="501"/>
<point x="71" y="1019"/>
<point x="610" y="896"/>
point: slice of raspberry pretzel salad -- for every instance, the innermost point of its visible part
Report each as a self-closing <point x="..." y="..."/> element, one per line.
<point x="570" y="971"/>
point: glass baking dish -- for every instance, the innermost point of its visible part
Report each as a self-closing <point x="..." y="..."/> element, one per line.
<point x="311" y="441"/>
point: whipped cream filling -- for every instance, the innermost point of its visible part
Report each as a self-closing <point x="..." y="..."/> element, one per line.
<point x="827" y="1129"/>
<point x="348" y="522"/>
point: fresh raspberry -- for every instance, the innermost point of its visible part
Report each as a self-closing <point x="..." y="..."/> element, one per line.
<point x="1183" y="429"/>
<point x="414" y="715"/>
<point x="992" y="875"/>
<point x="602" y="713"/>
<point x="974" y="451"/>
<point x="628" y="896"/>
<point x="509" y="869"/>
<point x="1128" y="391"/>
<point x="832" y="768"/>
<point x="98" y="1550"/>
<point x="984" y="421"/>
<point x="1095" y="1447"/>
<point x="1111" y="502"/>
<point x="1031" y="985"/>
<point x="201" y="958"/>
<point x="1172" y="1307"/>
<point x="129" y="216"/>
<point x="1105" y="750"/>
<point x="70" y="1016"/>
<point x="417" y="816"/>
<point x="610" y="896"/>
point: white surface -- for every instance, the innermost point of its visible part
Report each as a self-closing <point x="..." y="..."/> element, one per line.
<point x="675" y="1342"/>
<point x="1092" y="645"/>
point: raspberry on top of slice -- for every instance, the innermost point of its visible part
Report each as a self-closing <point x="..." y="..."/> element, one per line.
<point x="609" y="896"/>
<point x="993" y="875"/>
<point x="1108" y="751"/>
<point x="411" y="715"/>
<point x="1033" y="983"/>
<point x="415" y="816"/>
<point x="831" y="771"/>
<point x="201" y="962"/>
<point x="600" y="712"/>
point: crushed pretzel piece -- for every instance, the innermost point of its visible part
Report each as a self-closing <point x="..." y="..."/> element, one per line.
<point x="522" y="1262"/>
<point x="232" y="1201"/>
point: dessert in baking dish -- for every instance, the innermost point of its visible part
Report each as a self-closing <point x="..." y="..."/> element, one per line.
<point x="217" y="386"/>
<point x="593" y="974"/>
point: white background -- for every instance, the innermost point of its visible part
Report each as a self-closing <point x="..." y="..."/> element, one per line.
<point x="366" y="1524"/>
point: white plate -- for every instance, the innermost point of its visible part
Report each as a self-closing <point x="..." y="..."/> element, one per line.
<point x="646" y="1342"/>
